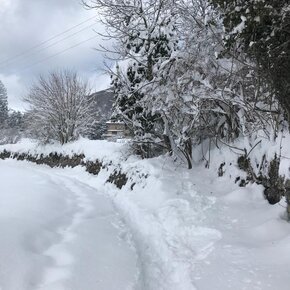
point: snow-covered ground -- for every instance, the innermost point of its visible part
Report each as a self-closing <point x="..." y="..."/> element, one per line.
<point x="58" y="233"/>
<point x="195" y="230"/>
<point x="177" y="230"/>
<point x="253" y="251"/>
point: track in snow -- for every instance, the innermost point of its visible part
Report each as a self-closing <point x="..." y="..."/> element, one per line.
<point x="58" y="233"/>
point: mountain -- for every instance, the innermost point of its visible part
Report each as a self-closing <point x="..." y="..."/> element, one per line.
<point x="104" y="103"/>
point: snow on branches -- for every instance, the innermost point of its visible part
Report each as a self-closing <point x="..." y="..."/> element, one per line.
<point x="175" y="85"/>
<point x="60" y="107"/>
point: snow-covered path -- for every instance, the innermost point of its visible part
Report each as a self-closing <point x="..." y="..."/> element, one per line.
<point x="58" y="233"/>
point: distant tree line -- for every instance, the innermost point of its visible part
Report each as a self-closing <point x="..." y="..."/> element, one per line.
<point x="11" y="121"/>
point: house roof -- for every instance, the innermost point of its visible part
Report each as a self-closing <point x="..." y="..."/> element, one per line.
<point x="117" y="122"/>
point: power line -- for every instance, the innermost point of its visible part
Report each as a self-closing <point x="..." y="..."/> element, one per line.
<point x="58" y="53"/>
<point x="28" y="54"/>
<point x="46" y="41"/>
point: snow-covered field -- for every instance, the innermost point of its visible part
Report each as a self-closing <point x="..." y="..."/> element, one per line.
<point x="177" y="230"/>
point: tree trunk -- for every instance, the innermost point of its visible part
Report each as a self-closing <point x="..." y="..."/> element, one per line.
<point x="167" y="143"/>
<point x="188" y="153"/>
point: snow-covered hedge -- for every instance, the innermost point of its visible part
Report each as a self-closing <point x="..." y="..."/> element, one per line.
<point x="93" y="155"/>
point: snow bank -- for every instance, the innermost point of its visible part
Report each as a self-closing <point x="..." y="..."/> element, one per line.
<point x="92" y="149"/>
<point x="257" y="148"/>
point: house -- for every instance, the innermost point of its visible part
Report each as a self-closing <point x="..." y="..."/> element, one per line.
<point x="116" y="130"/>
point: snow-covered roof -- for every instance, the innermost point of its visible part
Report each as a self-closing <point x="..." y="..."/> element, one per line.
<point x="115" y="122"/>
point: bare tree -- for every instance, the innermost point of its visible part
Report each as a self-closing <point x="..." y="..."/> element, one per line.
<point x="60" y="107"/>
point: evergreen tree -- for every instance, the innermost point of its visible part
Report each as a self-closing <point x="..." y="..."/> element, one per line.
<point x="3" y="105"/>
<point x="15" y="120"/>
<point x="146" y="43"/>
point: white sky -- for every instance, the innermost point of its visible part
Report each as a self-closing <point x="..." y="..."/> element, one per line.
<point x="26" y="23"/>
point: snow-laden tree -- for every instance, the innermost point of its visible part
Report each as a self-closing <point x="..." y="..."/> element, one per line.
<point x="141" y="32"/>
<point x="176" y="85"/>
<point x="3" y="105"/>
<point x="14" y="128"/>
<point x="60" y="107"/>
<point x="134" y="83"/>
<point x="198" y="92"/>
<point x="15" y="120"/>
<point x="261" y="28"/>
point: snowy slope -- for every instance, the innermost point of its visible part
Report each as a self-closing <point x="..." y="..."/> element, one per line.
<point x="253" y="252"/>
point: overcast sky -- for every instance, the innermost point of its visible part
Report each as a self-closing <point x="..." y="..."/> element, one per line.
<point x="25" y="24"/>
